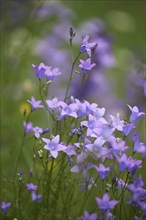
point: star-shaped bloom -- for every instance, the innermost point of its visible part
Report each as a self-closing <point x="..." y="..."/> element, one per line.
<point x="31" y="187"/>
<point x="86" y="65"/>
<point x="102" y="170"/>
<point x="139" y="147"/>
<point x="4" y="206"/>
<point x="35" y="104"/>
<point x="40" y="70"/>
<point x="105" y="203"/>
<point x="68" y="110"/>
<point x="53" y="146"/>
<point x="87" y="46"/>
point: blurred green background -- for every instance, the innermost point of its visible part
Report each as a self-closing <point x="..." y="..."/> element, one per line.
<point x="20" y="31"/>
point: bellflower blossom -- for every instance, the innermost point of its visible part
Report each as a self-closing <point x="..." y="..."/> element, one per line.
<point x="36" y="197"/>
<point x="4" y="206"/>
<point x="40" y="70"/>
<point x="37" y="132"/>
<point x="28" y="127"/>
<point x="87" y="46"/>
<point x="139" y="147"/>
<point x="53" y="146"/>
<point x="86" y="65"/>
<point x="102" y="170"/>
<point x="105" y="203"/>
<point x="135" y="113"/>
<point x="51" y="73"/>
<point x="35" y="104"/>
<point x="31" y="187"/>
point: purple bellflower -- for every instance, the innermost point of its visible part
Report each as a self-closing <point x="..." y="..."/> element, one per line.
<point x="139" y="147"/>
<point x="53" y="146"/>
<point x="87" y="46"/>
<point x="86" y="65"/>
<point x="105" y="204"/>
<point x="35" y="104"/>
<point x="135" y="114"/>
<point x="36" y="197"/>
<point x="102" y="170"/>
<point x="31" y="187"/>
<point x="40" y="70"/>
<point x="5" y="206"/>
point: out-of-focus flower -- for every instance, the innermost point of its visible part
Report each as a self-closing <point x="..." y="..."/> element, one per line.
<point x="37" y="132"/>
<point x="5" y="206"/>
<point x="31" y="187"/>
<point x="102" y="170"/>
<point x="36" y="197"/>
<point x="28" y="127"/>
<point x="40" y="70"/>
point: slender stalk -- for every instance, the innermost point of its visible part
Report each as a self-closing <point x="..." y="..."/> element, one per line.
<point x="70" y="79"/>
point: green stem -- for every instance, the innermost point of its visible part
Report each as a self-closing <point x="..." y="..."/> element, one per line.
<point x="69" y="82"/>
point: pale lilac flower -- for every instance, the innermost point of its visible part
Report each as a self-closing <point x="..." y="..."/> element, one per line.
<point x="27" y="127"/>
<point x="53" y="146"/>
<point x="36" y="197"/>
<point x="116" y="122"/>
<point x="102" y="170"/>
<point x="5" y="206"/>
<point x="86" y="65"/>
<point x="68" y="110"/>
<point x="52" y="103"/>
<point x="31" y="187"/>
<point x="135" y="113"/>
<point x="118" y="146"/>
<point x="37" y="132"/>
<point x="105" y="204"/>
<point x="87" y="46"/>
<point x="40" y="70"/>
<point x="35" y="104"/>
<point x="51" y="73"/>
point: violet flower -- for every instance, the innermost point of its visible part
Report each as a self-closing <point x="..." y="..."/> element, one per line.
<point x="51" y="73"/>
<point x="5" y="206"/>
<point x="88" y="216"/>
<point x="53" y="146"/>
<point x="40" y="70"/>
<point x="31" y="187"/>
<point x="35" y="104"/>
<point x="135" y="114"/>
<point x="105" y="204"/>
<point x="27" y="127"/>
<point x="102" y="170"/>
<point x="86" y="65"/>
<point x="87" y="46"/>
<point x="36" y="197"/>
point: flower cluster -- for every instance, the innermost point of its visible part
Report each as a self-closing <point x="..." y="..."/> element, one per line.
<point x="86" y="155"/>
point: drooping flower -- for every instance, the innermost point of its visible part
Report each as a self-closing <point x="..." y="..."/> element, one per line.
<point x="35" y="104"/>
<point x="105" y="203"/>
<point x="86" y="65"/>
<point x="87" y="46"/>
<point x="5" y="206"/>
<point x="53" y="146"/>
<point x="31" y="187"/>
